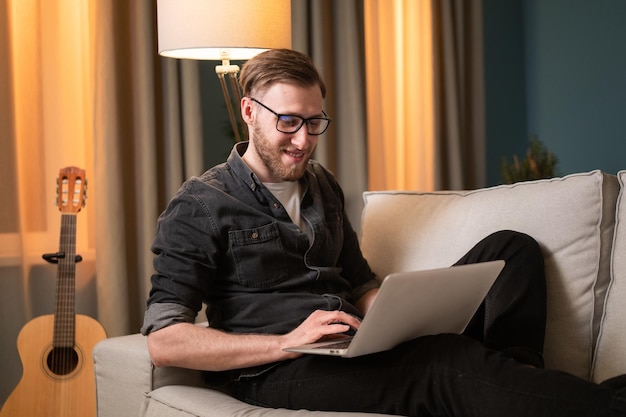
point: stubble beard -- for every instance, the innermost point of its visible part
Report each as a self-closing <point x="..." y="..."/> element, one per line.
<point x="271" y="158"/>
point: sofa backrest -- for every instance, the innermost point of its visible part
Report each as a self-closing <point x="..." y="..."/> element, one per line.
<point x="572" y="218"/>
<point x="610" y="354"/>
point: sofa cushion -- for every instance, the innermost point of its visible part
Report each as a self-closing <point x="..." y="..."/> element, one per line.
<point x="183" y="401"/>
<point x="571" y="218"/>
<point x="610" y="355"/>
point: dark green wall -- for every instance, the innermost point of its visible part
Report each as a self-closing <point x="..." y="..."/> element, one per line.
<point x="218" y="139"/>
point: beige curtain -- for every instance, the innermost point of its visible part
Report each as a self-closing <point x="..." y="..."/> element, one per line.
<point x="331" y="32"/>
<point x="459" y="95"/>
<point x="147" y="135"/>
<point x="399" y="67"/>
<point x="424" y="94"/>
<point x="46" y="117"/>
<point x="82" y="86"/>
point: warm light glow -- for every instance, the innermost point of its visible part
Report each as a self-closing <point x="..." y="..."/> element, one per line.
<point x="52" y="114"/>
<point x="27" y="111"/>
<point x="217" y="54"/>
<point x="222" y="30"/>
<point x="400" y="94"/>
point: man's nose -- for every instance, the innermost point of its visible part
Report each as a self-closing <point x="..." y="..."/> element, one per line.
<point x="301" y="137"/>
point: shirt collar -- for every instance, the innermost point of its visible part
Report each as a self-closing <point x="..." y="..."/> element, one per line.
<point x="241" y="169"/>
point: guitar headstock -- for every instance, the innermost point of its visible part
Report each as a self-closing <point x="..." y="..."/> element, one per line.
<point x="71" y="189"/>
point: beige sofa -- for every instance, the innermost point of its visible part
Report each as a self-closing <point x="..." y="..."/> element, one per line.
<point x="579" y="221"/>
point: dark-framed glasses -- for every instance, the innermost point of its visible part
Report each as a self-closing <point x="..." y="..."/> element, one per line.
<point x="290" y="123"/>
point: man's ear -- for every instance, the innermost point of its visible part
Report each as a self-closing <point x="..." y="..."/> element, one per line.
<point x="246" y="110"/>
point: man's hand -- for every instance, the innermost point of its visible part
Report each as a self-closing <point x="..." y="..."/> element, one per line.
<point x="320" y="324"/>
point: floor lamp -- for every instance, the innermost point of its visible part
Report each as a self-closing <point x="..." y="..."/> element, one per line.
<point x="223" y="31"/>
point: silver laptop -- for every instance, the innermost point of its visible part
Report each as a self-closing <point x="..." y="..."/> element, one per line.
<point x="414" y="304"/>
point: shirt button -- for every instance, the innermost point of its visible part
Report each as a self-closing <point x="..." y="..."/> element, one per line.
<point x="255" y="235"/>
<point x="276" y="206"/>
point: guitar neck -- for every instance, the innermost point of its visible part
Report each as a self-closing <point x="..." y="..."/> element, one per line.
<point x="64" y="318"/>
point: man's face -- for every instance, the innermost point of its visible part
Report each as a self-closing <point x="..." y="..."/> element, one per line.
<point x="272" y="155"/>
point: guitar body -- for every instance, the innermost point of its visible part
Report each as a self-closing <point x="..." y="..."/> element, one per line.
<point x="50" y="389"/>
<point x="56" y="350"/>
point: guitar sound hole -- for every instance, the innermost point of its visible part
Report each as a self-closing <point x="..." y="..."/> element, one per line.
<point x="62" y="361"/>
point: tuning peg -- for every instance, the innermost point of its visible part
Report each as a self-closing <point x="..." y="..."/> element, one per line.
<point x="85" y="192"/>
<point x="56" y="200"/>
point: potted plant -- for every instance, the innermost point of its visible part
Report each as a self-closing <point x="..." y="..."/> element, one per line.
<point x="539" y="163"/>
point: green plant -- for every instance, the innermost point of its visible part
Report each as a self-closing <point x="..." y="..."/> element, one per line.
<point x="539" y="163"/>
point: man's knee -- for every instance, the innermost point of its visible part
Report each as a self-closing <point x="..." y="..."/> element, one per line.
<point x="515" y="242"/>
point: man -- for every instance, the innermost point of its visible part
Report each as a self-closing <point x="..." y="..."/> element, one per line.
<point x="264" y="241"/>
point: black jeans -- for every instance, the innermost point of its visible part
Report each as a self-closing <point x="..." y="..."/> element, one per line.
<point x="483" y="372"/>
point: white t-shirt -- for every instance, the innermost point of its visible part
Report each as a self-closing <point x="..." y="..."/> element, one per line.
<point x="289" y="194"/>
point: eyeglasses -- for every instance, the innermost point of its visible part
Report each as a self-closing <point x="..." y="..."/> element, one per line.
<point x="290" y="123"/>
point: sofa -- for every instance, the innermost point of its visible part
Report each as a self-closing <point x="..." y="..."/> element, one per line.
<point x="579" y="221"/>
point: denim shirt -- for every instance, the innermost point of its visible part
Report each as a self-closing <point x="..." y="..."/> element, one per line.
<point x="226" y="241"/>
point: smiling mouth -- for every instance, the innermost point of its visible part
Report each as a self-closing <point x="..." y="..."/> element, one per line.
<point x="295" y="155"/>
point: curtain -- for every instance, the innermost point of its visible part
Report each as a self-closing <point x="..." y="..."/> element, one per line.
<point x="148" y="139"/>
<point x="45" y="119"/>
<point x="82" y="86"/>
<point x="331" y="32"/>
<point x="425" y="106"/>
<point x="459" y="95"/>
<point x="399" y="68"/>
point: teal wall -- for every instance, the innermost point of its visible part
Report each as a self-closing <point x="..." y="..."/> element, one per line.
<point x="505" y="83"/>
<point x="556" y="69"/>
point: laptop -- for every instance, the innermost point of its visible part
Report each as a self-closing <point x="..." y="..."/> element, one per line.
<point x="413" y="304"/>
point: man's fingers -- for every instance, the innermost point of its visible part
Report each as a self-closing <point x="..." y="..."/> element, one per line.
<point x="335" y="318"/>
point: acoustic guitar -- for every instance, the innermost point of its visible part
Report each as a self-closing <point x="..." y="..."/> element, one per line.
<point x="55" y="350"/>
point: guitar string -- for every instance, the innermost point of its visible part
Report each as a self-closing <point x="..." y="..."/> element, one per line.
<point x="62" y="359"/>
<point x="70" y="198"/>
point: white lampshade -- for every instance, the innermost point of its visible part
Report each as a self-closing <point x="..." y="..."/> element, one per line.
<point x="222" y="29"/>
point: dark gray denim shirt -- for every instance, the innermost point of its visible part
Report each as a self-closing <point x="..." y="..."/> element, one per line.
<point x="225" y="240"/>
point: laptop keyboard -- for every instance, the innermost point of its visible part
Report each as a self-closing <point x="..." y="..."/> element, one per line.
<point x="337" y="345"/>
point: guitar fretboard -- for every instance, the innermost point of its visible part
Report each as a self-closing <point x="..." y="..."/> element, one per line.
<point x="64" y="319"/>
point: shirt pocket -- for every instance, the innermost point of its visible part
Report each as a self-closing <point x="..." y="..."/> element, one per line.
<point x="260" y="259"/>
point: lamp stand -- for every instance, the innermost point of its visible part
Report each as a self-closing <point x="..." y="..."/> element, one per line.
<point x="226" y="70"/>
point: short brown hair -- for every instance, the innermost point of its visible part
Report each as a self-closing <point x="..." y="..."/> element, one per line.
<point x="279" y="65"/>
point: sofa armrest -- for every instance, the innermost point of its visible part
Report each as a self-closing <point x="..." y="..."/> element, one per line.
<point x="123" y="375"/>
